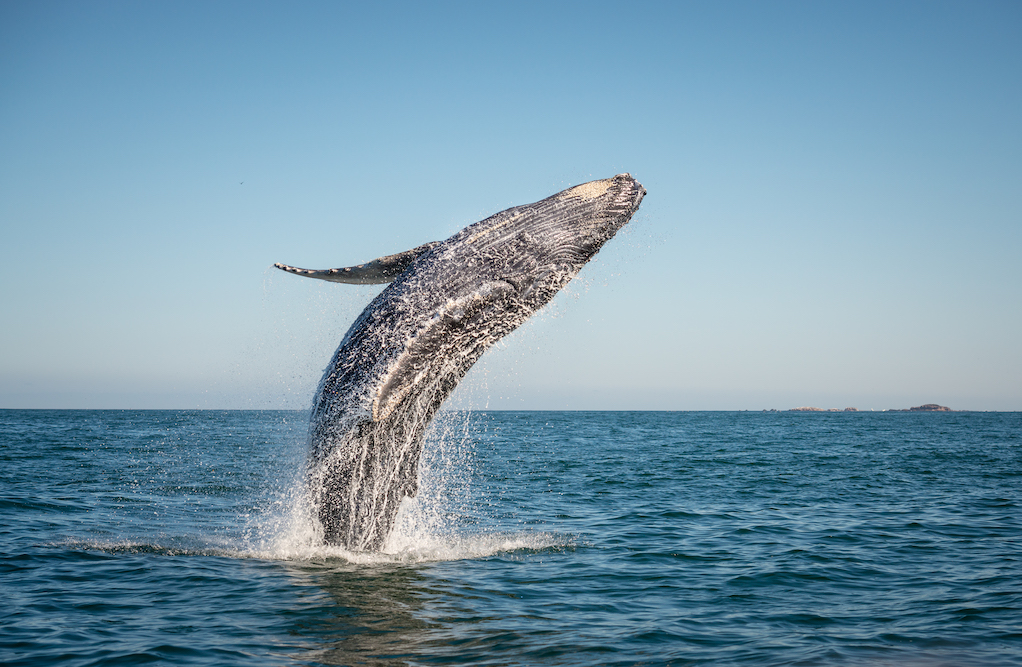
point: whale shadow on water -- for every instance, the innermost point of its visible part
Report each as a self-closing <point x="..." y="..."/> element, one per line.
<point x="447" y="303"/>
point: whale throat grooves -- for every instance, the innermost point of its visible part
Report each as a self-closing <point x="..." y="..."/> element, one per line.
<point x="403" y="356"/>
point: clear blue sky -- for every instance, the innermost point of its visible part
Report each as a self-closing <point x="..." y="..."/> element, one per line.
<point x="834" y="214"/>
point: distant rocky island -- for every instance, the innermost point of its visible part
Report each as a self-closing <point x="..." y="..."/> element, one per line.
<point x="926" y="407"/>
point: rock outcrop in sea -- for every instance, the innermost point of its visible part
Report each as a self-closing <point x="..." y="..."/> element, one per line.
<point x="926" y="407"/>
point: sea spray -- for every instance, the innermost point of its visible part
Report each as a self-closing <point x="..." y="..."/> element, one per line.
<point x="440" y="508"/>
<point x="287" y="528"/>
<point x="447" y="520"/>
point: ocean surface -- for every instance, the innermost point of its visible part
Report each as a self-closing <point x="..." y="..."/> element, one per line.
<point x="538" y="538"/>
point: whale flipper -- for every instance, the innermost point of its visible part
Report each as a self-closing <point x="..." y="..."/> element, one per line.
<point x="376" y="272"/>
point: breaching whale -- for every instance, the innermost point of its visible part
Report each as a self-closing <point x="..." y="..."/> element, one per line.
<point x="447" y="303"/>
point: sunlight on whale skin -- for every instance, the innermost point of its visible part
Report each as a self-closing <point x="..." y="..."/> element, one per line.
<point x="448" y="302"/>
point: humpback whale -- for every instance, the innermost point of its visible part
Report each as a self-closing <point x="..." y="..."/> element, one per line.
<point x="446" y="304"/>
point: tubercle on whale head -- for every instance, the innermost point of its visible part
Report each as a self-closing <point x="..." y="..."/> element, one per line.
<point x="625" y="194"/>
<point x="609" y="205"/>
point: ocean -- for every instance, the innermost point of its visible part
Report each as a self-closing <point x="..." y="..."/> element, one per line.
<point x="537" y="538"/>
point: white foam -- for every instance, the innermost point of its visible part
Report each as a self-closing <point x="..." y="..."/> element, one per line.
<point x="399" y="549"/>
<point x="423" y="550"/>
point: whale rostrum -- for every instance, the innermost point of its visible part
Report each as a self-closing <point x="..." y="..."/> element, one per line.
<point x="446" y="304"/>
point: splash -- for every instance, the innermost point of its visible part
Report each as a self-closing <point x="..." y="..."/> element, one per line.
<point x="441" y="523"/>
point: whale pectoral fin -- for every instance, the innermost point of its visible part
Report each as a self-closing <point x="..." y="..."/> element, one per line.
<point x="379" y="271"/>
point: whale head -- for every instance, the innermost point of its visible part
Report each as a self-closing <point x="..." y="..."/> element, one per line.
<point x="533" y="251"/>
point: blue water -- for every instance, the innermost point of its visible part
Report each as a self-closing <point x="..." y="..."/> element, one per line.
<point x="539" y="538"/>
